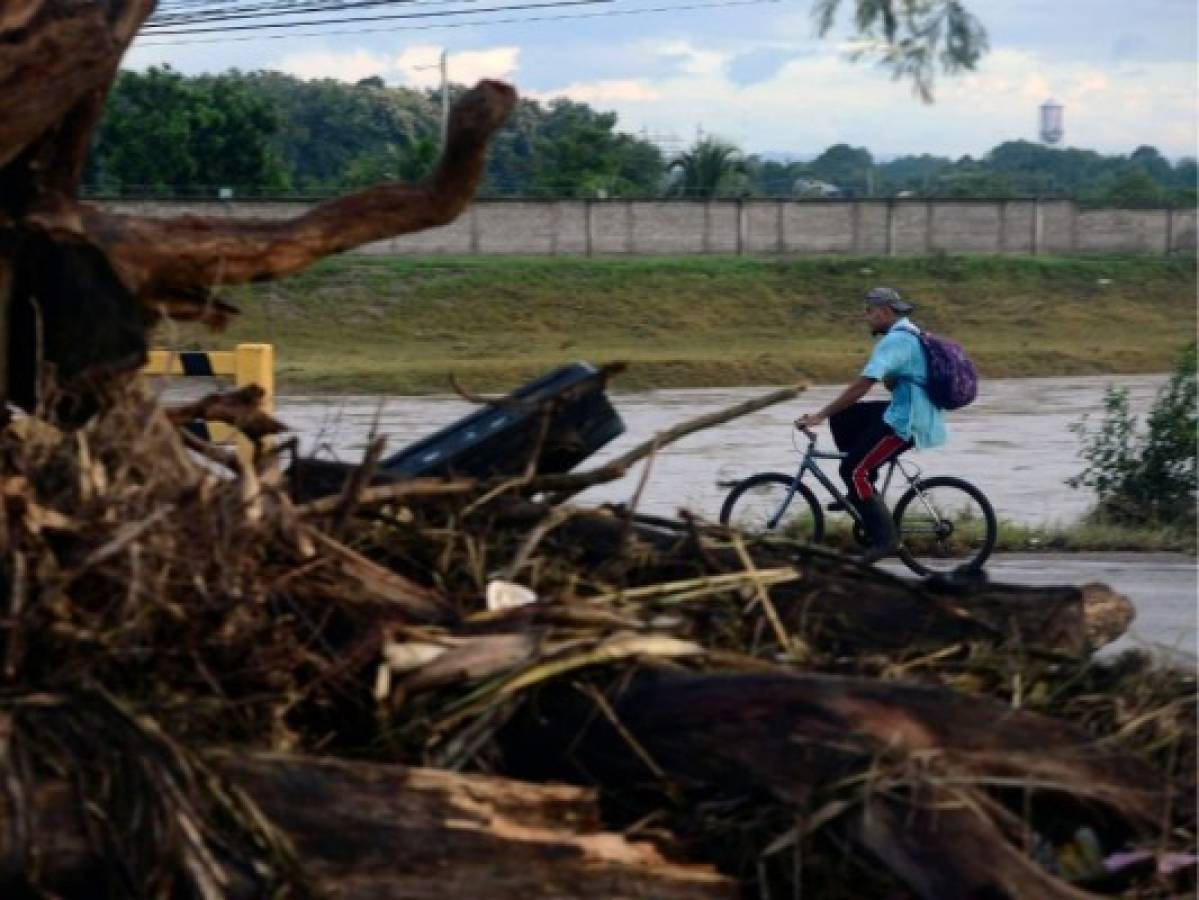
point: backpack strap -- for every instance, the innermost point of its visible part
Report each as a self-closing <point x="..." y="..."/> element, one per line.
<point x="917" y="334"/>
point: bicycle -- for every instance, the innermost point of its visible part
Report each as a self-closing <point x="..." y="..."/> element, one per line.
<point x="944" y="523"/>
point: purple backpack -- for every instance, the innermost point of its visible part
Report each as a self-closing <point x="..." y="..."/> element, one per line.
<point x="952" y="378"/>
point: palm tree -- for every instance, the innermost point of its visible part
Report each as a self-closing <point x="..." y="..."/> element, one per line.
<point x="706" y="167"/>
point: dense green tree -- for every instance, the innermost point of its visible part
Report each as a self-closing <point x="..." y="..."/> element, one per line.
<point x="771" y="178"/>
<point x="267" y="132"/>
<point x="849" y="168"/>
<point x="577" y="152"/>
<point x="326" y="125"/>
<point x="1135" y="188"/>
<point x="231" y="135"/>
<point x="568" y="149"/>
<point x="912" y="174"/>
<point x="709" y="168"/>
<point x="413" y="161"/>
<point x="1152" y="162"/>
<point x="170" y="134"/>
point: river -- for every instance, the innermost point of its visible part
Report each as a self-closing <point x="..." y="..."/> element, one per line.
<point x="1014" y="442"/>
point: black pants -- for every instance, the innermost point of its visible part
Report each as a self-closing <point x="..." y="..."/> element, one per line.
<point x="868" y="442"/>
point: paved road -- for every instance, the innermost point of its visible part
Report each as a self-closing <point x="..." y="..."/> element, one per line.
<point x="1162" y="586"/>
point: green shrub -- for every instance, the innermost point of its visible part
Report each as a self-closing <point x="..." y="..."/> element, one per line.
<point x="1144" y="478"/>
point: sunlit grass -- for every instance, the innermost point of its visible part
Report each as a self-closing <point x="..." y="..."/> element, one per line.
<point x="370" y="324"/>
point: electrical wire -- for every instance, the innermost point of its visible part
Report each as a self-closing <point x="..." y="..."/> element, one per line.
<point x="719" y="4"/>
<point x="553" y="4"/>
<point x="274" y="10"/>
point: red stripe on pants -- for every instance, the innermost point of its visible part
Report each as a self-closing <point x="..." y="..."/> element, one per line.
<point x="873" y="459"/>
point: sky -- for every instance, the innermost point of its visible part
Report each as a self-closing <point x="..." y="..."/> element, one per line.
<point x="757" y="75"/>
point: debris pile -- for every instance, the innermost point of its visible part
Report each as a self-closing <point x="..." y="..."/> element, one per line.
<point x="212" y="689"/>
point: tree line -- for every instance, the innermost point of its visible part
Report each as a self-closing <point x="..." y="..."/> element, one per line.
<point x="165" y="134"/>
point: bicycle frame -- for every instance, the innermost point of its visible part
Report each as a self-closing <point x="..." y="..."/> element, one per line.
<point x="909" y="470"/>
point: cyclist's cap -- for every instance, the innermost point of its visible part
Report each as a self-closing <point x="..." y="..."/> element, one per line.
<point x="885" y="296"/>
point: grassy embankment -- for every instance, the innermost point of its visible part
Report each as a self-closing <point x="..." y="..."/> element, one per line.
<point x="365" y="325"/>
<point x="1016" y="537"/>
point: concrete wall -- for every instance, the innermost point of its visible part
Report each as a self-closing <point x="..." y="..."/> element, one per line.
<point x="759" y="227"/>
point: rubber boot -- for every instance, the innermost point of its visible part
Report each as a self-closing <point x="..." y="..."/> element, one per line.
<point x="880" y="530"/>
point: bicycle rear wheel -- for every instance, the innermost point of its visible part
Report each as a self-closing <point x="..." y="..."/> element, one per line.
<point x="945" y="524"/>
<point x="753" y="503"/>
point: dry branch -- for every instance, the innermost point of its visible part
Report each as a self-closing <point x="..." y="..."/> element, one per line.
<point x="241" y="409"/>
<point x="565" y="486"/>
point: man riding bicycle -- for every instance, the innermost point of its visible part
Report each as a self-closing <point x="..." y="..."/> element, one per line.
<point x="872" y="433"/>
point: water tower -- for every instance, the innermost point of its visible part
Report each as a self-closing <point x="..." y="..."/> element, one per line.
<point x="1051" y="121"/>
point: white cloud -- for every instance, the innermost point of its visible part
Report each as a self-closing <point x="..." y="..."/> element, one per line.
<point x="345" y="65"/>
<point x="603" y="92"/>
<point x="416" y="66"/>
<point x="693" y="60"/>
<point x="817" y="99"/>
<point x="668" y="74"/>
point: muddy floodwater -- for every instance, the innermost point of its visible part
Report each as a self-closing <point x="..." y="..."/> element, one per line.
<point x="1014" y="442"/>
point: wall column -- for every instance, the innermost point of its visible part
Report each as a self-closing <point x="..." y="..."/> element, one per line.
<point x="742" y="228"/>
<point x="891" y="226"/>
<point x="588" y="227"/>
<point x="1038" y="226"/>
<point x="475" y="241"/>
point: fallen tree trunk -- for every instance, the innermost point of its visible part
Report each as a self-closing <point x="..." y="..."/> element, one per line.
<point x="373" y="832"/>
<point x="928" y="777"/>
<point x="841" y="606"/>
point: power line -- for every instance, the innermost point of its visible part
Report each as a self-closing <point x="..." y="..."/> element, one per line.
<point x="171" y="17"/>
<point x="425" y="15"/>
<point x="720" y="4"/>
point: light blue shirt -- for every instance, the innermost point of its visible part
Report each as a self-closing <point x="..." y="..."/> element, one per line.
<point x="899" y="358"/>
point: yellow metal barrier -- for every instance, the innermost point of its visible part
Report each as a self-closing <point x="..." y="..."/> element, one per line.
<point x="246" y="364"/>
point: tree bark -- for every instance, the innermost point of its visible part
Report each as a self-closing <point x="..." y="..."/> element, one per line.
<point x="76" y="268"/>
<point x="923" y="759"/>
<point x="365" y="831"/>
<point x="157" y="257"/>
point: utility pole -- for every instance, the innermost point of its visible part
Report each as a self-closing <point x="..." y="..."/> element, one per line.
<point x="443" y="67"/>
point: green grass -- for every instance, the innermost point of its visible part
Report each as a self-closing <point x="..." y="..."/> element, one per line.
<point x="1015" y="537"/>
<point x="400" y="325"/>
<point x="1097" y="536"/>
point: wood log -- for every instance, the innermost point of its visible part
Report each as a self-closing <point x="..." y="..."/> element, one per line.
<point x="373" y="832"/>
<point x="842" y="606"/>
<point x="928" y="761"/>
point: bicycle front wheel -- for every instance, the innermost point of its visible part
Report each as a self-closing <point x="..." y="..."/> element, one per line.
<point x="754" y="503"/>
<point x="945" y="524"/>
